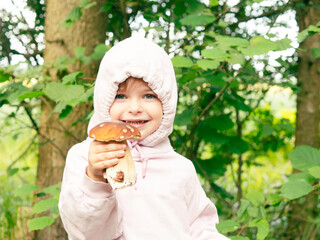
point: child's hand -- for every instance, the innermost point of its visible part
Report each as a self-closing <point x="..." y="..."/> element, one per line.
<point x="103" y="155"/>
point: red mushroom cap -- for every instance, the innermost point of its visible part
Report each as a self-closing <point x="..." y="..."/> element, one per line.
<point x="114" y="131"/>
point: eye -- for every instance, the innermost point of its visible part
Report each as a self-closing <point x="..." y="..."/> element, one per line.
<point x="150" y="96"/>
<point x="120" y="96"/>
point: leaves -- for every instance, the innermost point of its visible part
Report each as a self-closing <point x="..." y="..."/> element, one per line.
<point x="184" y="118"/>
<point x="219" y="122"/>
<point x="263" y="228"/>
<point x="180" y="61"/>
<point x="26" y="189"/>
<point x="295" y="189"/>
<point x="4" y="76"/>
<point x="315" y="171"/>
<point x="29" y="95"/>
<point x="208" y="64"/>
<point x="45" y="205"/>
<point x="315" y="52"/>
<point x="64" y="93"/>
<point x="40" y="223"/>
<point x="197" y="20"/>
<point x="73" y="15"/>
<point x="304" y="157"/>
<point x="256" y="197"/>
<point x="72" y="77"/>
<point x="99" y="51"/>
<point x="227" y="226"/>
<point x="214" y="53"/>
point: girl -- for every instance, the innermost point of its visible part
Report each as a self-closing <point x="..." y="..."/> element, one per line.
<point x="136" y="85"/>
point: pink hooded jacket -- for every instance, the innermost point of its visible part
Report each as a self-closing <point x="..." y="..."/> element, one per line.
<point x="167" y="202"/>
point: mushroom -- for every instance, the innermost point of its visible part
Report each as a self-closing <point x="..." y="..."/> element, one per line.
<point x="123" y="174"/>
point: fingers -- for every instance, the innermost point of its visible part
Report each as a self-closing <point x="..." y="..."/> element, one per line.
<point x="111" y="155"/>
<point x="103" y="155"/>
<point x="107" y="147"/>
<point x="107" y="163"/>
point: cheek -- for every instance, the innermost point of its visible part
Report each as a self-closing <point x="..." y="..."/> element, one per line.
<point x="158" y="113"/>
<point x="114" y="112"/>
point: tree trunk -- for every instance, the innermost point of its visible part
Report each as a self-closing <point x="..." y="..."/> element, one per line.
<point x="57" y="136"/>
<point x="307" y="121"/>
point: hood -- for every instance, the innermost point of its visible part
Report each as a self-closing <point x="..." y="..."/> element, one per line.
<point x="140" y="58"/>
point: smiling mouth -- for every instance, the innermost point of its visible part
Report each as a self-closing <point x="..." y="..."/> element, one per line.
<point x="135" y="122"/>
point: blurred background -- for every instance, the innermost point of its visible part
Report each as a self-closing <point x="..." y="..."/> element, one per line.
<point x="248" y="112"/>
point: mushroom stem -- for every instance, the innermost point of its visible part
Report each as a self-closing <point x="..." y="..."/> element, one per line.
<point x="124" y="173"/>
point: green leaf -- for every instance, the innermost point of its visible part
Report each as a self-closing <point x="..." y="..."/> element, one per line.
<point x="236" y="58"/>
<point x="4" y="76"/>
<point x="195" y="7"/>
<point x="237" y="145"/>
<point x="219" y="122"/>
<point x="45" y="205"/>
<point x="26" y="189"/>
<point x="12" y="171"/>
<point x="65" y="112"/>
<point x="227" y="226"/>
<point x="213" y="167"/>
<point x="283" y="44"/>
<point x="184" y="118"/>
<point x="244" y="204"/>
<point x="64" y="93"/>
<point x="302" y="175"/>
<point x="214" y="3"/>
<point x="315" y="52"/>
<point x="209" y="134"/>
<point x="256" y="197"/>
<point x="313" y="29"/>
<point x="253" y="211"/>
<point x="59" y="107"/>
<point x="208" y="64"/>
<point x="267" y="131"/>
<point x="228" y="41"/>
<point x="72" y="77"/>
<point x="304" y="157"/>
<point x="54" y="190"/>
<point x="199" y="81"/>
<point x="258" y="46"/>
<point x="40" y="223"/>
<point x="197" y="20"/>
<point x="180" y="61"/>
<point x="214" y="53"/>
<point x="74" y="14"/>
<point x="86" y="4"/>
<point x="315" y="171"/>
<point x="19" y="90"/>
<point x="296" y="189"/>
<point x="33" y="94"/>
<point x="79" y="52"/>
<point x="239" y="238"/>
<point x="263" y="229"/>
<point x="303" y="35"/>
<point x="99" y="51"/>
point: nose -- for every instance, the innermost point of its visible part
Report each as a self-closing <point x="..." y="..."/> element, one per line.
<point x="135" y="106"/>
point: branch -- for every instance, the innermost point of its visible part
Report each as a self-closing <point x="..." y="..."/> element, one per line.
<point x="124" y="14"/>
<point x="22" y="154"/>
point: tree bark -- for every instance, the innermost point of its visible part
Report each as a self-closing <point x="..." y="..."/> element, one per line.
<point x="307" y="118"/>
<point x="57" y="136"/>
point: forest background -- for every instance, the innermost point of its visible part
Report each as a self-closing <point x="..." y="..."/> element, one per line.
<point x="248" y="112"/>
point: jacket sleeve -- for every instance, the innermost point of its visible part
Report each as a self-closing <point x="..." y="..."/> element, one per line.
<point x="203" y="216"/>
<point x="88" y="209"/>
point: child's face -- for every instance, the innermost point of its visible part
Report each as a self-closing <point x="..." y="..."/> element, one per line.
<point x="137" y="105"/>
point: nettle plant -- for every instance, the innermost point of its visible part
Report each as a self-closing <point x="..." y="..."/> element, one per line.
<point x="24" y="88"/>
<point x="254" y="213"/>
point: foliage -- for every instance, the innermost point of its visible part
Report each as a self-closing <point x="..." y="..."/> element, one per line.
<point x="223" y="73"/>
